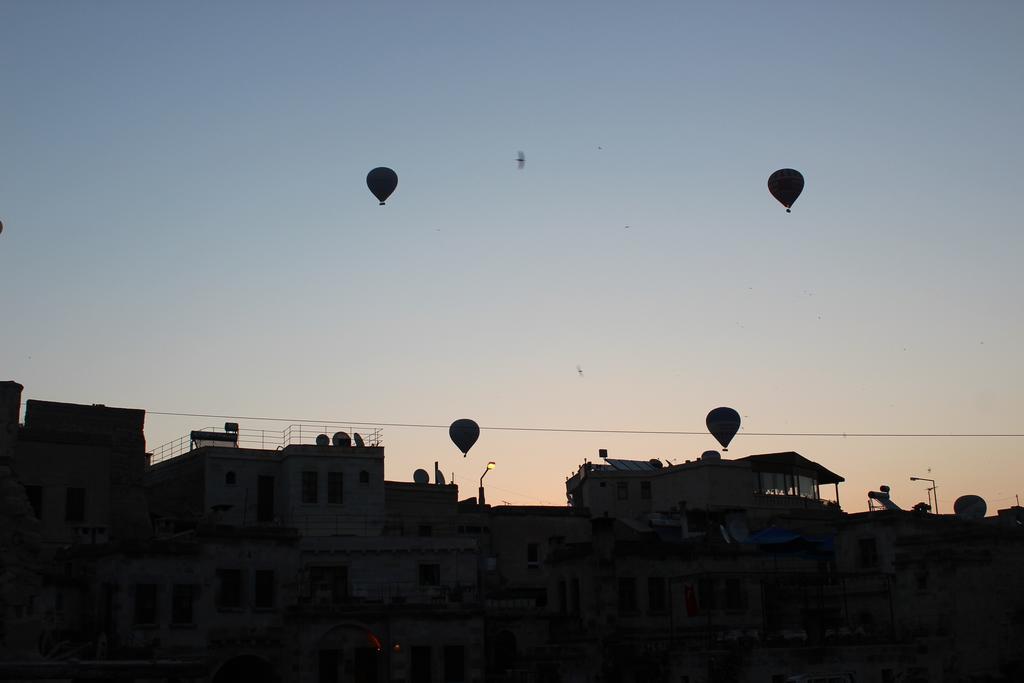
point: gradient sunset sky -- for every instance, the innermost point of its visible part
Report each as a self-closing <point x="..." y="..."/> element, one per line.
<point x="187" y="226"/>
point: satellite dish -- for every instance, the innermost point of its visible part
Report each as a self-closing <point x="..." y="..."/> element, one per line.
<point x="322" y="440"/>
<point x="439" y="477"/>
<point x="655" y="463"/>
<point x="970" y="507"/>
<point x="341" y="439"/>
<point x="358" y="439"/>
<point x="421" y="477"/>
<point x="736" y="525"/>
<point x="710" y="455"/>
<point x="723" y="423"/>
<point x="464" y="434"/>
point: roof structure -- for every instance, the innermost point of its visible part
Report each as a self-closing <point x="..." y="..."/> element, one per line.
<point x="793" y="459"/>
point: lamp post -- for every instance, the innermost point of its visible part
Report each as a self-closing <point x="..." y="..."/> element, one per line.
<point x="932" y="490"/>
<point x="490" y="466"/>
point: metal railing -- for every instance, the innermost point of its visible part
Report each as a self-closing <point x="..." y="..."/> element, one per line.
<point x="268" y="439"/>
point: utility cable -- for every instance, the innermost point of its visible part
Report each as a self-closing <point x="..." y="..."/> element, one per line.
<point x="574" y="430"/>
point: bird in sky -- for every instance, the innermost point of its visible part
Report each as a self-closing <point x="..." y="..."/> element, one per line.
<point x="579" y="370"/>
<point x="521" y="160"/>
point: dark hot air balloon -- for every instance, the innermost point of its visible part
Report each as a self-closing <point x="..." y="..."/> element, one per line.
<point x="723" y="423"/>
<point x="464" y="434"/>
<point x="382" y="181"/>
<point x="786" y="185"/>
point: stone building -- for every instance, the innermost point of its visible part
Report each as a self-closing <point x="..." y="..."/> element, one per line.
<point x="224" y="557"/>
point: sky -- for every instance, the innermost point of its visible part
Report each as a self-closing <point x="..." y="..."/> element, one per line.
<point x="187" y="227"/>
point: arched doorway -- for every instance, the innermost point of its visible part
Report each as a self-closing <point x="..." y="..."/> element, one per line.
<point x="505" y="650"/>
<point x="248" y="668"/>
<point x="350" y="653"/>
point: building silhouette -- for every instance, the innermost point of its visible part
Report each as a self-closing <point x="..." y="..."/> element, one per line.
<point x="238" y="554"/>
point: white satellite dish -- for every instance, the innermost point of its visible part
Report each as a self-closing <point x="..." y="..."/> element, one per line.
<point x="970" y="507"/>
<point x="736" y="525"/>
<point x="421" y="477"/>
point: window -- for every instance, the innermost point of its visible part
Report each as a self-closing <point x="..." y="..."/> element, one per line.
<point x="430" y="575"/>
<point x="706" y="593"/>
<point x="364" y="477"/>
<point x="774" y="483"/>
<point x="421" y="664"/>
<point x="229" y="588"/>
<point x="145" y="603"/>
<point x="656" y="594"/>
<point x="807" y="487"/>
<point x="532" y="555"/>
<point x="574" y="595"/>
<point x="230" y="479"/>
<point x="35" y="499"/>
<point x="735" y="594"/>
<point x="263" y="589"/>
<point x="425" y="530"/>
<point x="454" y="664"/>
<point x="309" y="487"/>
<point x="645" y="490"/>
<point x="329" y="585"/>
<point x="264" y="498"/>
<point x="623" y="490"/>
<point x="334" y="488"/>
<point x="868" y="553"/>
<point x="74" y="505"/>
<point x="563" y="598"/>
<point x="627" y="594"/>
<point x="182" y="596"/>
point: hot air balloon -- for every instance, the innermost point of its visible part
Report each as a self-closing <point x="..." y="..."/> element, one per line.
<point x="464" y="434"/>
<point x="382" y="181"/>
<point x="723" y="423"/>
<point x="786" y="185"/>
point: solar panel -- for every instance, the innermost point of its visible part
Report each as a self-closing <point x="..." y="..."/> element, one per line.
<point x="630" y="465"/>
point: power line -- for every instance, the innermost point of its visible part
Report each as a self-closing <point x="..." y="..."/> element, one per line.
<point x="575" y="430"/>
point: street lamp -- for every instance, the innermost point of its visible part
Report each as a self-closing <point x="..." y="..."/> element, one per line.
<point x="490" y="466"/>
<point x="931" y="491"/>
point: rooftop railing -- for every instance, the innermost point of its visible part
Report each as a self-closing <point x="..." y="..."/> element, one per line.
<point x="265" y="439"/>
